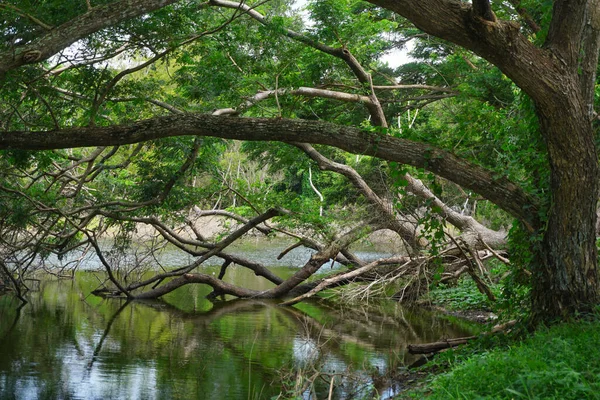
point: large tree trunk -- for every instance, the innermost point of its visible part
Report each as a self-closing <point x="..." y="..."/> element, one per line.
<point x="565" y="280"/>
<point x="560" y="78"/>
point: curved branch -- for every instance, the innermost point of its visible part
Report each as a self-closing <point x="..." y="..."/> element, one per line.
<point x="30" y="17"/>
<point x="500" y="42"/>
<point x="404" y="229"/>
<point x="473" y="231"/>
<point x="498" y="190"/>
<point x="181" y="242"/>
<point x="327" y="282"/>
<point x="316" y="261"/>
<point x="217" y="284"/>
<point x="79" y="27"/>
<point x="373" y="106"/>
<point x="184" y="276"/>
<point x="214" y="251"/>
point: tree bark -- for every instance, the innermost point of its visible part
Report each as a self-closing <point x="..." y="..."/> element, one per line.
<point x="565" y="278"/>
<point x="60" y="37"/>
<point x="435" y="347"/>
<point x="499" y="190"/>
<point x="559" y="78"/>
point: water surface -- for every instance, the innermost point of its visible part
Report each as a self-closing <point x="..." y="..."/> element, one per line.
<point x="68" y="344"/>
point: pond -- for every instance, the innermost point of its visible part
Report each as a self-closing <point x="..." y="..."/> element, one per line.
<point x="68" y="344"/>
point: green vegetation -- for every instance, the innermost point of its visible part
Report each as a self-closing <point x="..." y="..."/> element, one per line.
<point x="561" y="362"/>
<point x="461" y="296"/>
<point x="128" y="128"/>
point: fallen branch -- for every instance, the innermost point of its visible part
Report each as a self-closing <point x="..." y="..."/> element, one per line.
<point x="435" y="347"/>
<point x="426" y="348"/>
<point x="350" y="275"/>
<point x="481" y="286"/>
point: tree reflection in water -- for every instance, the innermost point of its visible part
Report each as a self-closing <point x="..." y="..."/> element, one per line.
<point x="66" y="345"/>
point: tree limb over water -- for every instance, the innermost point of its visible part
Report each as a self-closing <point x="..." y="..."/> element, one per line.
<point x="499" y="190"/>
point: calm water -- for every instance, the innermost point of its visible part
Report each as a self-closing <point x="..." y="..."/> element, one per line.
<point x="67" y="344"/>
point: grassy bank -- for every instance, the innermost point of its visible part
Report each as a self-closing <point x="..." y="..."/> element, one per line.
<point x="562" y="362"/>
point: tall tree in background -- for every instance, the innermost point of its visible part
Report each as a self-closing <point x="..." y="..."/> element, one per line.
<point x="553" y="60"/>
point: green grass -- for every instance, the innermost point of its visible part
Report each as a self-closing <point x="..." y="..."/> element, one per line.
<point x="562" y="362"/>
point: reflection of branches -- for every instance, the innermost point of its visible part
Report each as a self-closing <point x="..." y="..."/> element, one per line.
<point x="98" y="347"/>
<point x="15" y="320"/>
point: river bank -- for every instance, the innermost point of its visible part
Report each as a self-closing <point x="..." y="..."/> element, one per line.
<point x="560" y="362"/>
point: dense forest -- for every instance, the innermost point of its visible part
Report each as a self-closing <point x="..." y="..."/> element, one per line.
<point x="465" y="131"/>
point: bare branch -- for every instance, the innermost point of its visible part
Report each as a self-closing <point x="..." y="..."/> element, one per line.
<point x="107" y="266"/>
<point x="328" y="282"/>
<point x="185" y="279"/>
<point x="405" y="230"/>
<point x="214" y="251"/>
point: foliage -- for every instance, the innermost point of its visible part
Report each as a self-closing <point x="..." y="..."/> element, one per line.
<point x="192" y="57"/>
<point x="560" y="362"/>
<point x="461" y="296"/>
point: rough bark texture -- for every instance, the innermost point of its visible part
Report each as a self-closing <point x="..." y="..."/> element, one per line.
<point x="559" y="78"/>
<point x="501" y="191"/>
<point x="62" y="36"/>
<point x="567" y="278"/>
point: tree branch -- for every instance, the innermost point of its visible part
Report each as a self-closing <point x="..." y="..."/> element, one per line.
<point x="500" y="42"/>
<point x="79" y="27"/>
<point x="214" y="251"/>
<point x="373" y="106"/>
<point x="28" y="16"/>
<point x="402" y="228"/>
<point x="327" y="282"/>
<point x="499" y="190"/>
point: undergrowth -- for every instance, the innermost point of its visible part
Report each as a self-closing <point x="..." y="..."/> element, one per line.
<point x="562" y="362"/>
<point x="461" y="296"/>
<point x="512" y="296"/>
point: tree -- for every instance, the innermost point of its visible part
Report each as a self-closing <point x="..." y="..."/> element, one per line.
<point x="555" y="64"/>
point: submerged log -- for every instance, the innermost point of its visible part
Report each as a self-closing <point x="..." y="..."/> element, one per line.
<point x="427" y="348"/>
<point x="434" y="347"/>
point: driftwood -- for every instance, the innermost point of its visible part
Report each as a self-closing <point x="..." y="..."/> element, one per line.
<point x="427" y="348"/>
<point x="434" y="347"/>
